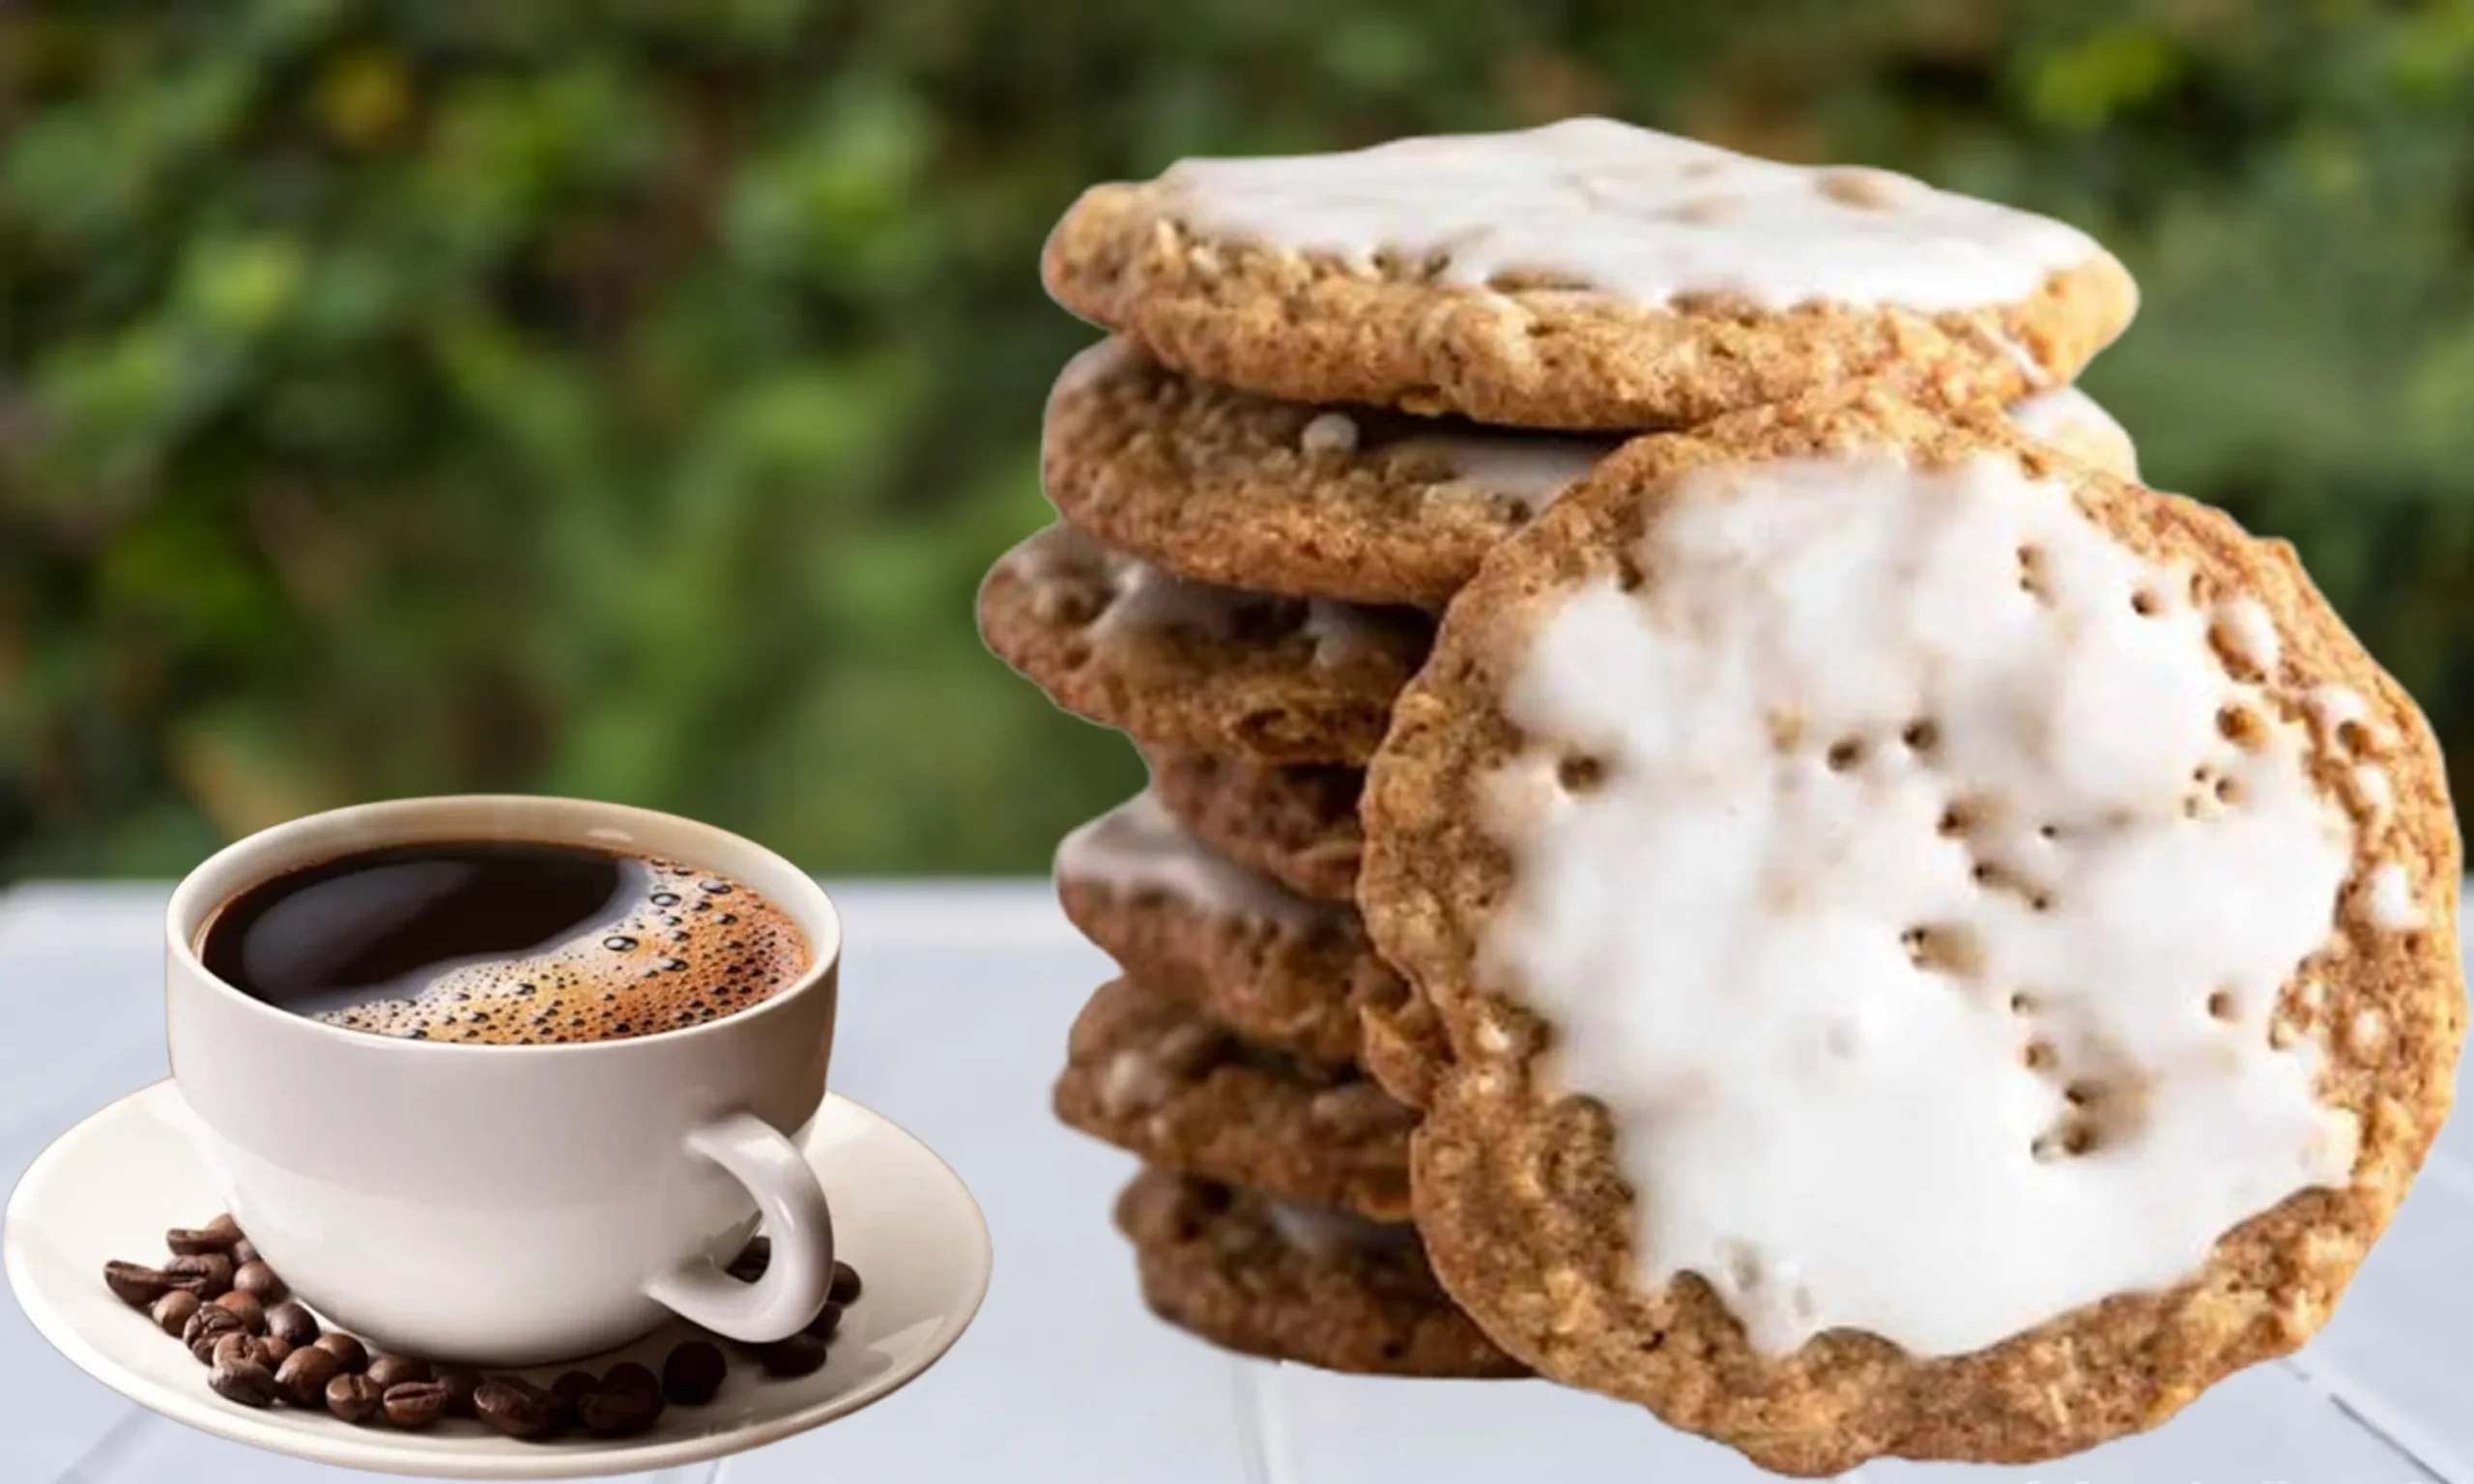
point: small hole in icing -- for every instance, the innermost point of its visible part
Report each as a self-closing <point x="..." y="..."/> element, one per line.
<point x="1628" y="574"/>
<point x="1580" y="773"/>
<point x="2049" y="831"/>
<point x="2031" y="573"/>
<point x="2223" y="1006"/>
<point x="2241" y="726"/>
<point x="2080" y="1094"/>
<point x="2353" y="736"/>
<point x="1955" y="821"/>
<point x="2145" y="602"/>
<point x="1845" y="754"/>
<point x="2022" y="1003"/>
<point x="2040" y="1056"/>
<point x="2039" y="901"/>
<point x="1921" y="736"/>
<point x="2229" y="791"/>
<point x="2077" y="1139"/>
<point x="1942" y="949"/>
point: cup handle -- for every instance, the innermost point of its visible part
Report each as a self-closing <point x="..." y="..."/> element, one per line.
<point x="795" y="1285"/>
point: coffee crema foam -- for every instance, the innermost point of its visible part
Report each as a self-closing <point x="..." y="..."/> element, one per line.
<point x="692" y="947"/>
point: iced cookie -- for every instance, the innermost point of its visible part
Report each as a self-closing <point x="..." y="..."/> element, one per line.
<point x="1310" y="1284"/>
<point x="1942" y="952"/>
<point x="1181" y="664"/>
<point x="1297" y="825"/>
<point x="1183" y="1091"/>
<point x="1223" y="486"/>
<point x="1584" y="274"/>
<point x="1284" y="970"/>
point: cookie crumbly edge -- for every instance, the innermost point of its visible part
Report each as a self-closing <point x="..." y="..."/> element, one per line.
<point x="1246" y="695"/>
<point x="1212" y="1264"/>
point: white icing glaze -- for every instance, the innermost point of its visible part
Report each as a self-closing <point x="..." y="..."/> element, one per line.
<point x="1328" y="432"/>
<point x="1139" y="846"/>
<point x="1833" y="974"/>
<point x="2247" y="634"/>
<point x="1149" y="599"/>
<point x="2071" y="420"/>
<point x="1343" y="633"/>
<point x="2372" y="788"/>
<point x="1145" y="598"/>
<point x="2388" y="898"/>
<point x="1325" y="1232"/>
<point x="2366" y="1031"/>
<point x="1534" y="468"/>
<point x="2333" y="705"/>
<point x="1529" y="470"/>
<point x="1633" y="214"/>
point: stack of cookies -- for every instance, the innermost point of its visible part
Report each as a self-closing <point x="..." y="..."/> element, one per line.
<point x="1843" y="918"/>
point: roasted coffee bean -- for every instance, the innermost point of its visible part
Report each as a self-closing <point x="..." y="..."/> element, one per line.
<point x="171" y="1312"/>
<point x="219" y="1235"/>
<point x="207" y="1325"/>
<point x="246" y="1307"/>
<point x="845" y="1283"/>
<point x="244" y="1350"/>
<point x="828" y="1320"/>
<point x="633" y="1377"/>
<point x="752" y="1260"/>
<point x="392" y="1371"/>
<point x="244" y="1251"/>
<point x="243" y="1380"/>
<point x="799" y="1356"/>
<point x="615" y="1412"/>
<point x="572" y="1388"/>
<point x="295" y="1324"/>
<point x="138" y="1286"/>
<point x="460" y="1381"/>
<point x="259" y="1279"/>
<point x="303" y="1376"/>
<point x="516" y="1407"/>
<point x="416" y="1404"/>
<point x="276" y="1350"/>
<point x="354" y="1354"/>
<point x="212" y="1269"/>
<point x="693" y="1373"/>
<point x="355" y="1398"/>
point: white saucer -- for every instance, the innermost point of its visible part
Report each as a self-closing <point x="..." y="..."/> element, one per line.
<point x="110" y="1187"/>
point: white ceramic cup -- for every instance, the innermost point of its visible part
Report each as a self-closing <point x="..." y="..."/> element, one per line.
<point x="497" y="1205"/>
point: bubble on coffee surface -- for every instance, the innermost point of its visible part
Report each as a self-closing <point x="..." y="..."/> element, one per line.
<point x="683" y="946"/>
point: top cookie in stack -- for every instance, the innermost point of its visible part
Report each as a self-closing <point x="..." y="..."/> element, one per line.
<point x="1583" y="276"/>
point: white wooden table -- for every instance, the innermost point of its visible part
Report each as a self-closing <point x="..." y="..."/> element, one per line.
<point x="955" y="1000"/>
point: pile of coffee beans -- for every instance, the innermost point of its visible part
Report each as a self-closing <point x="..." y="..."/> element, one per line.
<point x="262" y="1347"/>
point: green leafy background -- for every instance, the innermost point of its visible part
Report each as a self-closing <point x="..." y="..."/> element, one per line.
<point x="624" y="398"/>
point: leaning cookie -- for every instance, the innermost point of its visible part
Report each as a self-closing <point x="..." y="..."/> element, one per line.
<point x="1308" y="1284"/>
<point x="1148" y="1075"/>
<point x="1587" y="274"/>
<point x="1297" y="825"/>
<point x="1283" y="970"/>
<point x="1223" y="486"/>
<point x="1180" y="664"/>
<point x="1939" y="952"/>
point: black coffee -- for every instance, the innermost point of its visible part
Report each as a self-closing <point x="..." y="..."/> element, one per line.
<point x="505" y="941"/>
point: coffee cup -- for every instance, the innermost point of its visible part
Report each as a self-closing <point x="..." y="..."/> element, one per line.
<point x="514" y="1204"/>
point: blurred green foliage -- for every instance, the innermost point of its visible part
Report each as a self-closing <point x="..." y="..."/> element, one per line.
<point x="624" y="398"/>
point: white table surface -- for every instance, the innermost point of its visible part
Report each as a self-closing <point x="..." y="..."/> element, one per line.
<point x="956" y="999"/>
